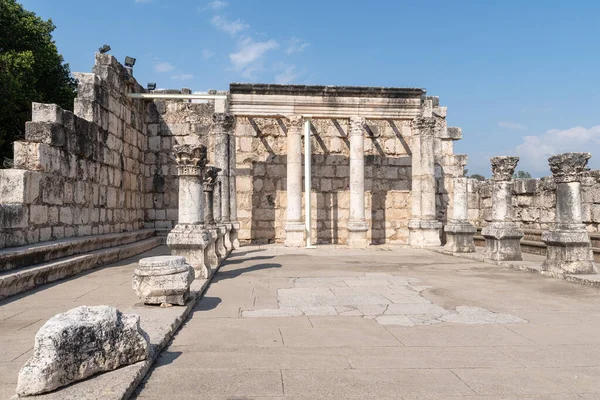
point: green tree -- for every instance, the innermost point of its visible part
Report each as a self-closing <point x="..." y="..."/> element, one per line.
<point x="31" y="69"/>
<point x="478" y="177"/>
<point x="522" y="174"/>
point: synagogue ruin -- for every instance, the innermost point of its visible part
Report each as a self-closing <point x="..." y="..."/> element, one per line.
<point x="301" y="166"/>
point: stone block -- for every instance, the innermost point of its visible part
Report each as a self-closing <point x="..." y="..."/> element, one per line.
<point x="80" y="343"/>
<point x="14" y="216"/>
<point x="45" y="132"/>
<point x="46" y="113"/>
<point x="19" y="186"/>
<point x="38" y="214"/>
<point x="525" y="186"/>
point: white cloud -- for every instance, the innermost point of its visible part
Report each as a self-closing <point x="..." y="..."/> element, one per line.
<point x="163" y="67"/>
<point x="287" y="74"/>
<point x="535" y="150"/>
<point x="230" y="27"/>
<point x="512" y="125"/>
<point x="296" y="45"/>
<point x="217" y="4"/>
<point x="248" y="58"/>
<point x="206" y="54"/>
<point x="182" y="77"/>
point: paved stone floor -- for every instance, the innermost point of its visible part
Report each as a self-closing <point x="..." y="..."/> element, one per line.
<point x="386" y="323"/>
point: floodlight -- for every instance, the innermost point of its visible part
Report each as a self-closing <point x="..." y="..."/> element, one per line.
<point x="129" y="61"/>
<point x="151" y="86"/>
<point x="104" y="49"/>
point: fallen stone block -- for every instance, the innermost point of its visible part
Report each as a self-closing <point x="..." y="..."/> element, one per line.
<point x="80" y="343"/>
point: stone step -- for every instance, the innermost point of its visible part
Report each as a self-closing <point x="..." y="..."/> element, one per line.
<point x="23" y="256"/>
<point x="26" y="278"/>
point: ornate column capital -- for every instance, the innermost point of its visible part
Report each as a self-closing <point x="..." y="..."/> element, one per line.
<point x="503" y="167"/>
<point x="357" y="126"/>
<point x="224" y="121"/>
<point x="567" y="167"/>
<point x="210" y="178"/>
<point x="424" y="125"/>
<point x="190" y="159"/>
<point x="294" y="123"/>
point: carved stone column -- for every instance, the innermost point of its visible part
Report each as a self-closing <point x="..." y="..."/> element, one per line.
<point x="235" y="224"/>
<point x="459" y="231"/>
<point x="211" y="257"/>
<point x="424" y="229"/>
<point x="502" y="235"/>
<point x="357" y="225"/>
<point x="223" y="125"/>
<point x="294" y="225"/>
<point x="569" y="250"/>
<point x="189" y="237"/>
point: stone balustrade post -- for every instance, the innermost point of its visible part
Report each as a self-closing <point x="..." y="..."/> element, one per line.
<point x="190" y="237"/>
<point x="357" y="225"/>
<point x="502" y="235"/>
<point x="459" y="231"/>
<point x="211" y="256"/>
<point x="424" y="229"/>
<point x="294" y="225"/>
<point x="568" y="246"/>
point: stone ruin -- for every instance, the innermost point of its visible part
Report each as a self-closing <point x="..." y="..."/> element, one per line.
<point x="122" y="173"/>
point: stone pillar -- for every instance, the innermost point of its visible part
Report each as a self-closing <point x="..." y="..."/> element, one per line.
<point x="211" y="257"/>
<point x="294" y="225"/>
<point x="357" y="225"/>
<point x="235" y="224"/>
<point x="459" y="232"/>
<point x="502" y="235"/>
<point x="568" y="250"/>
<point x="223" y="125"/>
<point x="189" y="237"/>
<point x="424" y="229"/>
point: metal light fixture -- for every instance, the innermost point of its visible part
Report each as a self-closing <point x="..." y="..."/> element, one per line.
<point x="129" y="62"/>
<point x="104" y="49"/>
<point x="151" y="86"/>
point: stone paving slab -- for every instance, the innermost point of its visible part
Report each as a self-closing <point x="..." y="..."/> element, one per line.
<point x="538" y="344"/>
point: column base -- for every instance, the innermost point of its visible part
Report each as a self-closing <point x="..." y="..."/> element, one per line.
<point x="235" y="228"/>
<point x="502" y="241"/>
<point x="459" y="237"/>
<point x="357" y="234"/>
<point x="294" y="234"/>
<point x="424" y="233"/>
<point x="190" y="241"/>
<point x="568" y="252"/>
<point x="163" y="279"/>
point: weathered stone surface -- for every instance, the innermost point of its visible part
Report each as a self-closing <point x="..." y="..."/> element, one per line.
<point x="189" y="241"/>
<point x="568" y="247"/>
<point x="80" y="343"/>
<point x="163" y="279"/>
<point x="567" y="167"/>
<point x="503" y="167"/>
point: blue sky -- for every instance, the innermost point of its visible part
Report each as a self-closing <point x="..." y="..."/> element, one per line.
<point x="519" y="77"/>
